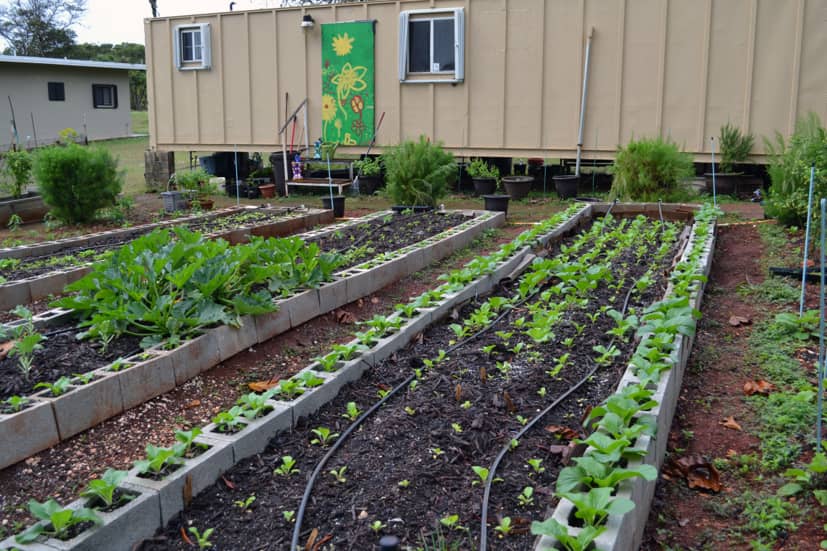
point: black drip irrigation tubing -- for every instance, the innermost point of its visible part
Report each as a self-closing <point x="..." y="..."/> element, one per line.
<point x="525" y="429"/>
<point x="309" y="488"/>
<point x="361" y="239"/>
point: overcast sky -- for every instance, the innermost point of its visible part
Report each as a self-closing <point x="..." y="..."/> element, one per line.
<point x="116" y="21"/>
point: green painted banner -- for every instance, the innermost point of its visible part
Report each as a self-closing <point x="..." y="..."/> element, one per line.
<point x="347" y="83"/>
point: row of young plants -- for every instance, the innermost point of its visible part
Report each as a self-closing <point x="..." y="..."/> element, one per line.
<point x="159" y="462"/>
<point x="528" y="350"/>
<point x="623" y="425"/>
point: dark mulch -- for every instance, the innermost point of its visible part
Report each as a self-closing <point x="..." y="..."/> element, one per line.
<point x="421" y="446"/>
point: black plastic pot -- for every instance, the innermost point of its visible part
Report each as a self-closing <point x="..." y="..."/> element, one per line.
<point x="484" y="186"/>
<point x="517" y="187"/>
<point x="369" y="184"/>
<point x="496" y="203"/>
<point x="338" y="205"/>
<point x="726" y="183"/>
<point x="566" y="185"/>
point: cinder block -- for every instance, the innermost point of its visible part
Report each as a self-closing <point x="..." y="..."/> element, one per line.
<point x="14" y="293"/>
<point x="193" y="357"/>
<point x="9" y="544"/>
<point x="359" y="285"/>
<point x="27" y="432"/>
<point x="87" y="405"/>
<point x="258" y="433"/>
<point x="271" y="324"/>
<point x="151" y="375"/>
<point x="51" y="283"/>
<point x="332" y="295"/>
<point x="303" y="307"/>
<point x="232" y="340"/>
<point x="194" y="476"/>
<point x="310" y="402"/>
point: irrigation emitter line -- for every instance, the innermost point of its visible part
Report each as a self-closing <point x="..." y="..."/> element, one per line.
<point x="714" y="188"/>
<point x="820" y="366"/>
<point x="505" y="449"/>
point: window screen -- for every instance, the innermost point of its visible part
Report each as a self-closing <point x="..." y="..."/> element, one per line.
<point x="57" y="92"/>
<point x="191" y="45"/>
<point x="431" y="45"/>
<point x="105" y="96"/>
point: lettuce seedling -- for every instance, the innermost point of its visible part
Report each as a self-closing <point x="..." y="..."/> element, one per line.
<point x="287" y="466"/>
<point x="57" y="520"/>
<point x="323" y="436"/>
<point x="591" y="472"/>
<point x="186" y="441"/>
<point x="202" y="540"/>
<point x="594" y="506"/>
<point x="308" y="380"/>
<point x="157" y="459"/>
<point x="504" y="527"/>
<point x="231" y="420"/>
<point x="13" y="404"/>
<point x="58" y="387"/>
<point x="103" y="488"/>
<point x="352" y="411"/>
<point x="328" y="361"/>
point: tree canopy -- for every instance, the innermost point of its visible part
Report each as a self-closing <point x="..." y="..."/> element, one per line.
<point x="41" y="28"/>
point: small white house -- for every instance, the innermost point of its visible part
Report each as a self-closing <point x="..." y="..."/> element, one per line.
<point x="40" y="97"/>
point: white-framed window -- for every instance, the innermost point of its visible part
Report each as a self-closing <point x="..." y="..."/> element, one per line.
<point x="104" y="96"/>
<point x="432" y="45"/>
<point x="191" y="45"/>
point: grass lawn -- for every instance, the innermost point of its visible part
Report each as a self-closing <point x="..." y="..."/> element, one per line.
<point x="140" y="122"/>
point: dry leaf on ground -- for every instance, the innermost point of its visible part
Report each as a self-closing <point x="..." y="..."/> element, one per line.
<point x="730" y="423"/>
<point x="736" y="321"/>
<point x="343" y="317"/>
<point x="5" y="348"/>
<point x="698" y="472"/>
<point x="263" y="386"/>
<point x="758" y="387"/>
<point x="563" y="432"/>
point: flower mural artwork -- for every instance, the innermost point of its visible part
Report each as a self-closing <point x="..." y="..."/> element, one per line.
<point x="348" y="82"/>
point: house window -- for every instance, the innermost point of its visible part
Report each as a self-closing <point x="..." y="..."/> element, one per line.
<point x="431" y="45"/>
<point x="105" y="96"/>
<point x="57" y="92"/>
<point x="192" y="47"/>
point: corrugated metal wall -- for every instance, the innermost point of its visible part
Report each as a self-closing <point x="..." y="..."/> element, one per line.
<point x="678" y="68"/>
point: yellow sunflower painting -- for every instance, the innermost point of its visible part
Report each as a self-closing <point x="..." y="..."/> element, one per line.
<point x="348" y="82"/>
<point x="342" y="44"/>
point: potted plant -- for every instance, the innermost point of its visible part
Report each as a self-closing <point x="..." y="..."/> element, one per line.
<point x="735" y="148"/>
<point x="190" y="184"/>
<point x="15" y="176"/>
<point x="484" y="176"/>
<point x="518" y="184"/>
<point x="369" y="171"/>
<point x="262" y="179"/>
<point x="204" y="192"/>
<point x="418" y="173"/>
<point x="566" y="185"/>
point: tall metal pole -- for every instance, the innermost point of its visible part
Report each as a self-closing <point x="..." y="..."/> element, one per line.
<point x="583" y="102"/>
<point x="714" y="187"/>
<point x="807" y="242"/>
<point x="820" y="408"/>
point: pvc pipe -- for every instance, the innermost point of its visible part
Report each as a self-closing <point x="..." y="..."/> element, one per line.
<point x="237" y="185"/>
<point x="583" y="102"/>
<point x="820" y="365"/>
<point x="714" y="188"/>
<point x="807" y="243"/>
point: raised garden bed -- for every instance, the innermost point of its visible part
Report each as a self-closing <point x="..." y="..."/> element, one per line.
<point x="408" y="469"/>
<point x="29" y="207"/>
<point x="37" y="271"/>
<point x="163" y="369"/>
<point x="478" y="277"/>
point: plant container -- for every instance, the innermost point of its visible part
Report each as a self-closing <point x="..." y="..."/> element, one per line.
<point x="206" y="204"/>
<point x="29" y="207"/>
<point x="517" y="187"/>
<point x="496" y="203"/>
<point x="566" y="185"/>
<point x="726" y="183"/>
<point x="174" y="200"/>
<point x="337" y="203"/>
<point x="484" y="186"/>
<point x="369" y="184"/>
<point x="267" y="190"/>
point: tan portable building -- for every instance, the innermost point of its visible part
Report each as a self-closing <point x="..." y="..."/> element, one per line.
<point x="674" y="68"/>
<point x="49" y="95"/>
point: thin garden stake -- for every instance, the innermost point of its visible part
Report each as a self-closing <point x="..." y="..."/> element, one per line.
<point x="807" y="243"/>
<point x="820" y="366"/>
<point x="329" y="180"/>
<point x="714" y="187"/>
<point x="237" y="185"/>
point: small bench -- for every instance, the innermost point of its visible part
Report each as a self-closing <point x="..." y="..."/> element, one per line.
<point x="321" y="183"/>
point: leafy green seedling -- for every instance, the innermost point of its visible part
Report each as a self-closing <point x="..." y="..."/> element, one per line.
<point x="103" y="489"/>
<point x="522" y="420"/>
<point x="339" y="474"/>
<point x="157" y="459"/>
<point x="323" y="436"/>
<point x="482" y="474"/>
<point x="231" y="420"/>
<point x="526" y="497"/>
<point x="308" y="380"/>
<point x="457" y="428"/>
<point x="554" y="529"/>
<point x="465" y="405"/>
<point x="594" y="506"/>
<point x="57" y="520"/>
<point x="352" y="411"/>
<point x="536" y="465"/>
<point x="328" y="361"/>
<point x="13" y="404"/>
<point x="504" y="527"/>
<point x="244" y="504"/>
<point x="409" y="410"/>
<point x="542" y="392"/>
<point x="377" y="526"/>
<point x="436" y="452"/>
<point x="83" y="378"/>
<point x="58" y="387"/>
<point x="289" y="516"/>
<point x="287" y="466"/>
<point x="186" y="441"/>
<point x="404" y="483"/>
<point x="202" y="540"/>
<point x="451" y="522"/>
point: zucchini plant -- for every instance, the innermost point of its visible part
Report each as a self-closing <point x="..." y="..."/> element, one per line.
<point x="56" y="520"/>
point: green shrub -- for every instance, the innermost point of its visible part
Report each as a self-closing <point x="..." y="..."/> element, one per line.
<point x="418" y="173"/>
<point x="650" y="169"/>
<point x="789" y="171"/>
<point x="369" y="166"/>
<point x="76" y="181"/>
<point x="735" y="147"/>
<point x="18" y="167"/>
<point x="480" y="169"/>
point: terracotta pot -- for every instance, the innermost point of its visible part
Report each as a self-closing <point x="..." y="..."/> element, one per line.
<point x="206" y="204"/>
<point x="267" y="190"/>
